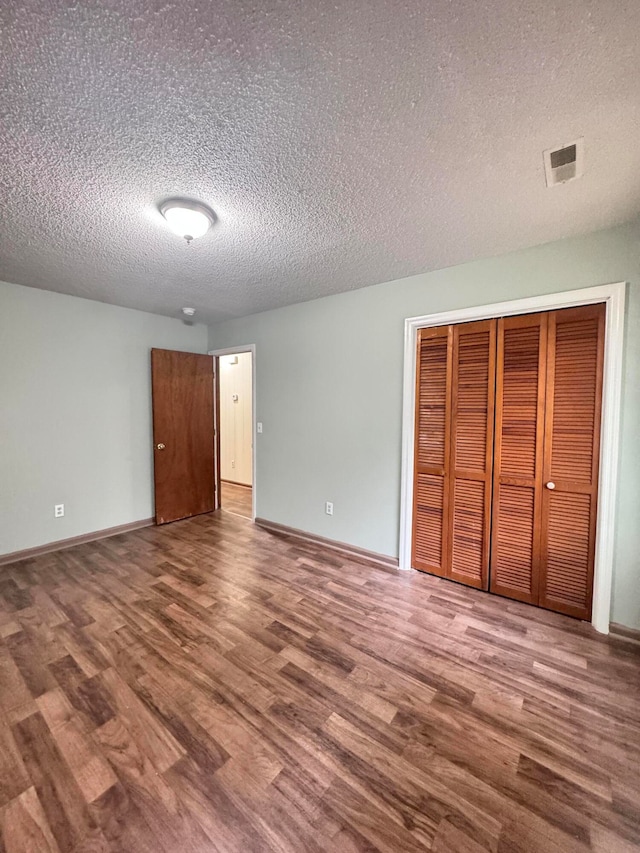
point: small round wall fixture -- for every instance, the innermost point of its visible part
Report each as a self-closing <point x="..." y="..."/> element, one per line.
<point x="188" y="219"/>
<point x="188" y="315"/>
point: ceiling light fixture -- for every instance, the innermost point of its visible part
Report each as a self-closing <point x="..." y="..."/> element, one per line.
<point x="188" y="219"/>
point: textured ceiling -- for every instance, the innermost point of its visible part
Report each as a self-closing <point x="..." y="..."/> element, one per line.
<point x="340" y="144"/>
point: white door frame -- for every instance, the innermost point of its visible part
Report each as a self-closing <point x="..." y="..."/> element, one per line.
<point x="614" y="297"/>
<point x="254" y="429"/>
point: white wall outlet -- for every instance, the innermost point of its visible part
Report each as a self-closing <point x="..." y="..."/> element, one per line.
<point x="328" y="508"/>
<point x="233" y="463"/>
<point x="58" y="511"/>
<point x="259" y="425"/>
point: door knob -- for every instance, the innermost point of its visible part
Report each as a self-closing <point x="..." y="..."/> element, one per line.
<point x="160" y="446"/>
<point x="551" y="485"/>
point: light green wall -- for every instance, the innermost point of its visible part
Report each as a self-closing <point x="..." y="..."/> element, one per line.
<point x="329" y="391"/>
<point x="75" y="413"/>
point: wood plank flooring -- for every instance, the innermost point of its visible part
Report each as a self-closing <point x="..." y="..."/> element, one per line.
<point x="208" y="686"/>
<point x="236" y="499"/>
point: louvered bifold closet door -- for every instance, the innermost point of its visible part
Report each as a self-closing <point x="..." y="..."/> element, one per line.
<point x="518" y="455"/>
<point x="571" y="449"/>
<point x="431" y="450"/>
<point x="472" y="416"/>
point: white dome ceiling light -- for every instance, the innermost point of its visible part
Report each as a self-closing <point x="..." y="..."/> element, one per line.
<point x="188" y="219"/>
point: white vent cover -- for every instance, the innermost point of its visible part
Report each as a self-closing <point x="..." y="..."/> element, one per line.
<point x="564" y="163"/>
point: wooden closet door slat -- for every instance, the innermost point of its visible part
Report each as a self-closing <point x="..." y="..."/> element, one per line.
<point x="472" y="413"/>
<point x="575" y="358"/>
<point x="430" y="539"/>
<point x="518" y="456"/>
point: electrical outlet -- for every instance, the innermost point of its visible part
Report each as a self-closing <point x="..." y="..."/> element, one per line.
<point x="233" y="463"/>
<point x="328" y="508"/>
<point x="259" y="425"/>
<point x="58" y="511"/>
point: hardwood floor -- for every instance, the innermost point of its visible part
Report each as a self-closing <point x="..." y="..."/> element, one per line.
<point x="208" y="686"/>
<point x="237" y="499"/>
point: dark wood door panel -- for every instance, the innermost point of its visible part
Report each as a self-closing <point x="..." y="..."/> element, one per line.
<point x="517" y="473"/>
<point x="567" y="577"/>
<point x="430" y="540"/>
<point x="182" y="388"/>
<point x="472" y="417"/>
<point x="428" y="527"/>
<point x="571" y="456"/>
<point x="515" y="541"/>
<point x="433" y="416"/>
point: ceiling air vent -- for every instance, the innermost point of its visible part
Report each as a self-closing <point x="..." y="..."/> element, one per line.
<point x="565" y="163"/>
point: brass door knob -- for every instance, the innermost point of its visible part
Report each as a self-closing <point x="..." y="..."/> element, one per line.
<point x="160" y="446"/>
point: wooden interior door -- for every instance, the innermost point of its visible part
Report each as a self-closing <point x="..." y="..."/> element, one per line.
<point x="471" y="451"/>
<point x="518" y="450"/>
<point x="453" y="451"/>
<point x="430" y="540"/>
<point x="575" y="359"/>
<point x="183" y="434"/>
<point x="548" y="401"/>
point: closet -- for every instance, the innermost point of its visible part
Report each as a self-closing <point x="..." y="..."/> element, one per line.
<point x="507" y="430"/>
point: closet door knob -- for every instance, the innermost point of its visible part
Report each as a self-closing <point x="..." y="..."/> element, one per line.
<point x="551" y="485"/>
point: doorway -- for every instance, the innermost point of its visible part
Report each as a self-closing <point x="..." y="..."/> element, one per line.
<point x="235" y="423"/>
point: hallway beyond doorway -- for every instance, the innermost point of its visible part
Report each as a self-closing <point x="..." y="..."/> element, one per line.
<point x="237" y="499"/>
